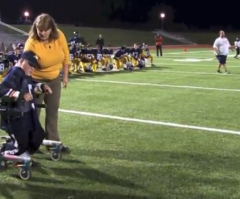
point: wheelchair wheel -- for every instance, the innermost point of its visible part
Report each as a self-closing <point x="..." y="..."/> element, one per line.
<point x="55" y="156"/>
<point x="24" y="174"/>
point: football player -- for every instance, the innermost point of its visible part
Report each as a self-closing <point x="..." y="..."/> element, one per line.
<point x="146" y="54"/>
<point x="98" y="55"/>
<point x="136" y="53"/>
<point x="20" y="46"/>
<point x="87" y="59"/>
<point x="76" y="38"/>
<point x="120" y="58"/>
<point x="108" y="55"/>
<point x="75" y="61"/>
<point x="4" y="65"/>
<point x="237" y="48"/>
<point x="127" y="54"/>
<point x="15" y="56"/>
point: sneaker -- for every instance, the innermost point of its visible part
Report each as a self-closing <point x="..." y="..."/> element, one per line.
<point x="218" y="71"/>
<point x="227" y="72"/>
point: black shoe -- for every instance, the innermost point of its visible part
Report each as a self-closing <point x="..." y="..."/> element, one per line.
<point x="65" y="149"/>
<point x="219" y="71"/>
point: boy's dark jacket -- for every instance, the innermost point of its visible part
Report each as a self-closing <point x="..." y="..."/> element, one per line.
<point x="16" y="80"/>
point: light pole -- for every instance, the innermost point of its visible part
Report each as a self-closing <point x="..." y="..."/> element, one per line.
<point x="26" y="14"/>
<point x="162" y="15"/>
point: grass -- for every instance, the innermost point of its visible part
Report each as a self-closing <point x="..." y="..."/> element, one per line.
<point x="114" y="37"/>
<point x="119" y="159"/>
<point x="207" y="37"/>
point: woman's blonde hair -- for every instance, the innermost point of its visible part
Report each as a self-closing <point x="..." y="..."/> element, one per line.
<point x="44" y="22"/>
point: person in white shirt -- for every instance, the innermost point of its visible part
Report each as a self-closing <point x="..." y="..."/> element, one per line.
<point x="221" y="47"/>
<point x="237" y="46"/>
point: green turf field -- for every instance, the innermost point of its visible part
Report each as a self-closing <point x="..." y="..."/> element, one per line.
<point x="200" y="37"/>
<point x="114" y="37"/>
<point x="145" y="135"/>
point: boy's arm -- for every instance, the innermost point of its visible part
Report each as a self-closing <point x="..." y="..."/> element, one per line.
<point x="6" y="88"/>
<point x="14" y="80"/>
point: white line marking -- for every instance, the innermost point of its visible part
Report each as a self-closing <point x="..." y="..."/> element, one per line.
<point x="159" y="85"/>
<point x="151" y="122"/>
<point x="191" y="52"/>
<point x="197" y="73"/>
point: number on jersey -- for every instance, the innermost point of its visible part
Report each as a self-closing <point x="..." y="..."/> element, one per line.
<point x="135" y="54"/>
<point x="89" y="56"/>
<point x="99" y="56"/>
<point x="2" y="67"/>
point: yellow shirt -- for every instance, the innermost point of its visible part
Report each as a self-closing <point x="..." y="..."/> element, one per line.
<point x="51" y="56"/>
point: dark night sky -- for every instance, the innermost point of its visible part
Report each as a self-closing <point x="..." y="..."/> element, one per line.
<point x="200" y="13"/>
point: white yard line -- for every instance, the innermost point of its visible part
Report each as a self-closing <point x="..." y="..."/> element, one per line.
<point x="191" y="52"/>
<point x="159" y="85"/>
<point x="196" y="73"/>
<point x="127" y="119"/>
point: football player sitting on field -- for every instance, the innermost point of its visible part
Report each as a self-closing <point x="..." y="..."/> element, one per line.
<point x="98" y="55"/>
<point x="88" y="62"/>
<point x="4" y="65"/>
<point x="108" y="55"/>
<point x="146" y="54"/>
<point x="127" y="54"/>
<point x="136" y="54"/>
<point x="73" y="57"/>
<point x="120" y="58"/>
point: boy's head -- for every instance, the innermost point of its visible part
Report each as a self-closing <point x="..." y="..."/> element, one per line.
<point x="29" y="62"/>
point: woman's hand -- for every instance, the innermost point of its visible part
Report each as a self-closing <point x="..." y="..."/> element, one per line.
<point x="47" y="89"/>
<point x="65" y="81"/>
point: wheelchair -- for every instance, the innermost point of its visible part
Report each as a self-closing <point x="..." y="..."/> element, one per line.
<point x="23" y="164"/>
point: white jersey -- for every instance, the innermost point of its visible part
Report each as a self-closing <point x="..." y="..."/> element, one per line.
<point x="237" y="44"/>
<point x="222" y="46"/>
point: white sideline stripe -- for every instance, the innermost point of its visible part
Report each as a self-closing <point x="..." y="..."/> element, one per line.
<point x="159" y="85"/>
<point x="127" y="119"/>
<point x="194" y="52"/>
<point x="197" y="73"/>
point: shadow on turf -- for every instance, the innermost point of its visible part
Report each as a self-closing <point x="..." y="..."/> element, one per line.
<point x="57" y="191"/>
<point x="99" y="74"/>
<point x="174" y="166"/>
<point x="194" y="160"/>
<point x="93" y="175"/>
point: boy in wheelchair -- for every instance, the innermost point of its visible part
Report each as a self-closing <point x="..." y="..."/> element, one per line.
<point x="18" y="112"/>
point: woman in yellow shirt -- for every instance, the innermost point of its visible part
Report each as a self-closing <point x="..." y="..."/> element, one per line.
<point x="50" y="46"/>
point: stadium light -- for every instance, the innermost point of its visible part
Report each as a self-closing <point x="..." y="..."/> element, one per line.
<point x="162" y="15"/>
<point x="26" y="14"/>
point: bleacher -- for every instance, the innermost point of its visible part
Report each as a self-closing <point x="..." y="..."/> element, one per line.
<point x="10" y="35"/>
